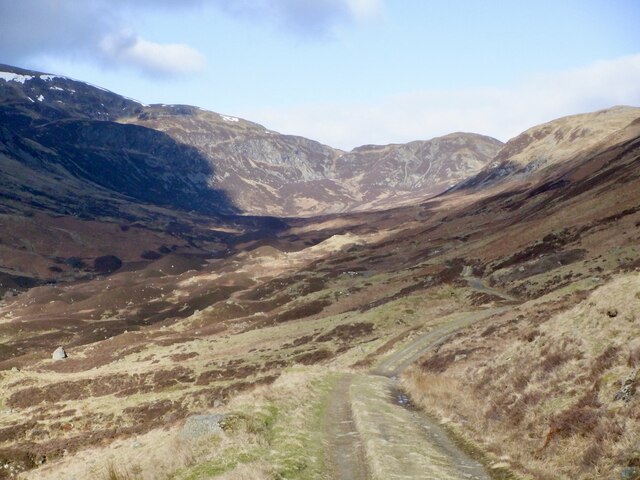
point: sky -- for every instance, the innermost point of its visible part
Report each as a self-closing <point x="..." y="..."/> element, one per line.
<point x="344" y="72"/>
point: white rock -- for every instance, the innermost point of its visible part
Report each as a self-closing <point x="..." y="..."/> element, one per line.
<point x="59" y="354"/>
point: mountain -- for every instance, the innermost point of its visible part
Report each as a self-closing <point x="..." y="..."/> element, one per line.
<point x="77" y="187"/>
<point x="550" y="145"/>
<point x="309" y="347"/>
<point x="54" y="124"/>
<point x="92" y="174"/>
<point x="217" y="163"/>
<point x="268" y="173"/>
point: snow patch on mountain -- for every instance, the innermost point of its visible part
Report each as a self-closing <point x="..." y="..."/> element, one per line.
<point x="48" y="78"/>
<point x="14" y="77"/>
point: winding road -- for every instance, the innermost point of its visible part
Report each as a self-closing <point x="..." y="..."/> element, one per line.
<point x="371" y="430"/>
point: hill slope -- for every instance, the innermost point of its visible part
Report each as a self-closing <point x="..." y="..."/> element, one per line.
<point x="216" y="163"/>
<point x="514" y="306"/>
<point x="268" y="173"/>
<point x="551" y="145"/>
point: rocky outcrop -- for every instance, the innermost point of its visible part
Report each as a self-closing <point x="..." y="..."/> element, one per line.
<point x="267" y="172"/>
<point x="59" y="354"/>
<point x="197" y="426"/>
<point x="629" y="386"/>
<point x="184" y="157"/>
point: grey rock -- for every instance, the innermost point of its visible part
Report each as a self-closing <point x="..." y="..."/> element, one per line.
<point x="630" y="473"/>
<point x="628" y="390"/>
<point x="197" y="426"/>
<point x="59" y="354"/>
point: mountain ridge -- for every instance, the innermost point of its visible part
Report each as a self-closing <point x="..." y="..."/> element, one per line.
<point x="552" y="143"/>
<point x="515" y="301"/>
<point x="277" y="174"/>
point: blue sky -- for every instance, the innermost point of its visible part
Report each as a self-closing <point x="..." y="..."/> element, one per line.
<point x="344" y="72"/>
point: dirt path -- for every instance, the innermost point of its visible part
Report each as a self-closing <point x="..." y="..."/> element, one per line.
<point x="479" y="285"/>
<point x="372" y="432"/>
<point x="345" y="451"/>
<point x="400" y="442"/>
<point x="394" y="364"/>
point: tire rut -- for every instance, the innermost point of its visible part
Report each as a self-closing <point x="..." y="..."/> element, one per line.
<point x="345" y="450"/>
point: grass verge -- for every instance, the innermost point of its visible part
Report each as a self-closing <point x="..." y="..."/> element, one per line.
<point x="274" y="432"/>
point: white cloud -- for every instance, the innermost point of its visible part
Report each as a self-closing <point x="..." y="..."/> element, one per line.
<point x="364" y="8"/>
<point x="502" y="113"/>
<point x="89" y="30"/>
<point x="127" y="48"/>
<point x="86" y="30"/>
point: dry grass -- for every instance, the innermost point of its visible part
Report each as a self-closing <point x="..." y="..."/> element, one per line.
<point x="543" y="396"/>
<point x="269" y="431"/>
<point x="394" y="438"/>
<point x="257" y="470"/>
<point x="114" y="472"/>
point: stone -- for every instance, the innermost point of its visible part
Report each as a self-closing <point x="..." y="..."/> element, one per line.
<point x="59" y="354"/>
<point x="630" y="473"/>
<point x="612" y="312"/>
<point x="197" y="426"/>
<point x="628" y="389"/>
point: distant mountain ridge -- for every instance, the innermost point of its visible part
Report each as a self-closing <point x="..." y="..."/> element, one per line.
<point x="121" y="240"/>
<point x="213" y="163"/>
<point x="58" y="141"/>
<point x="265" y="172"/>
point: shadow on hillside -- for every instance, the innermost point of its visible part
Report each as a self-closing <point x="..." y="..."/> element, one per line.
<point x="135" y="161"/>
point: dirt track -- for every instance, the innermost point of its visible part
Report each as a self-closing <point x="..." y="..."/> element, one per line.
<point x="372" y="431"/>
<point x="395" y="364"/>
<point x="345" y="451"/>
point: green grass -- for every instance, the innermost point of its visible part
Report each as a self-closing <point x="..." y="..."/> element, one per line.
<point x="230" y="460"/>
<point x="283" y="433"/>
<point x="258" y="424"/>
<point x="298" y="442"/>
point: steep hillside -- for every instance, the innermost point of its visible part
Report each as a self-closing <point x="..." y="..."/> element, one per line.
<point x="76" y="186"/>
<point x="516" y="308"/>
<point x="51" y="123"/>
<point x="268" y="173"/>
<point x="552" y="144"/>
<point x="217" y="163"/>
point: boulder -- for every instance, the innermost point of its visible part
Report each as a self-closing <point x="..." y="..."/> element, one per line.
<point x="628" y="389"/>
<point x="59" y="354"/>
<point x="197" y="426"/>
<point x="630" y="473"/>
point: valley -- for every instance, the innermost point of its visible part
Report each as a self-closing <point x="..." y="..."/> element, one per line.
<point x="482" y="325"/>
